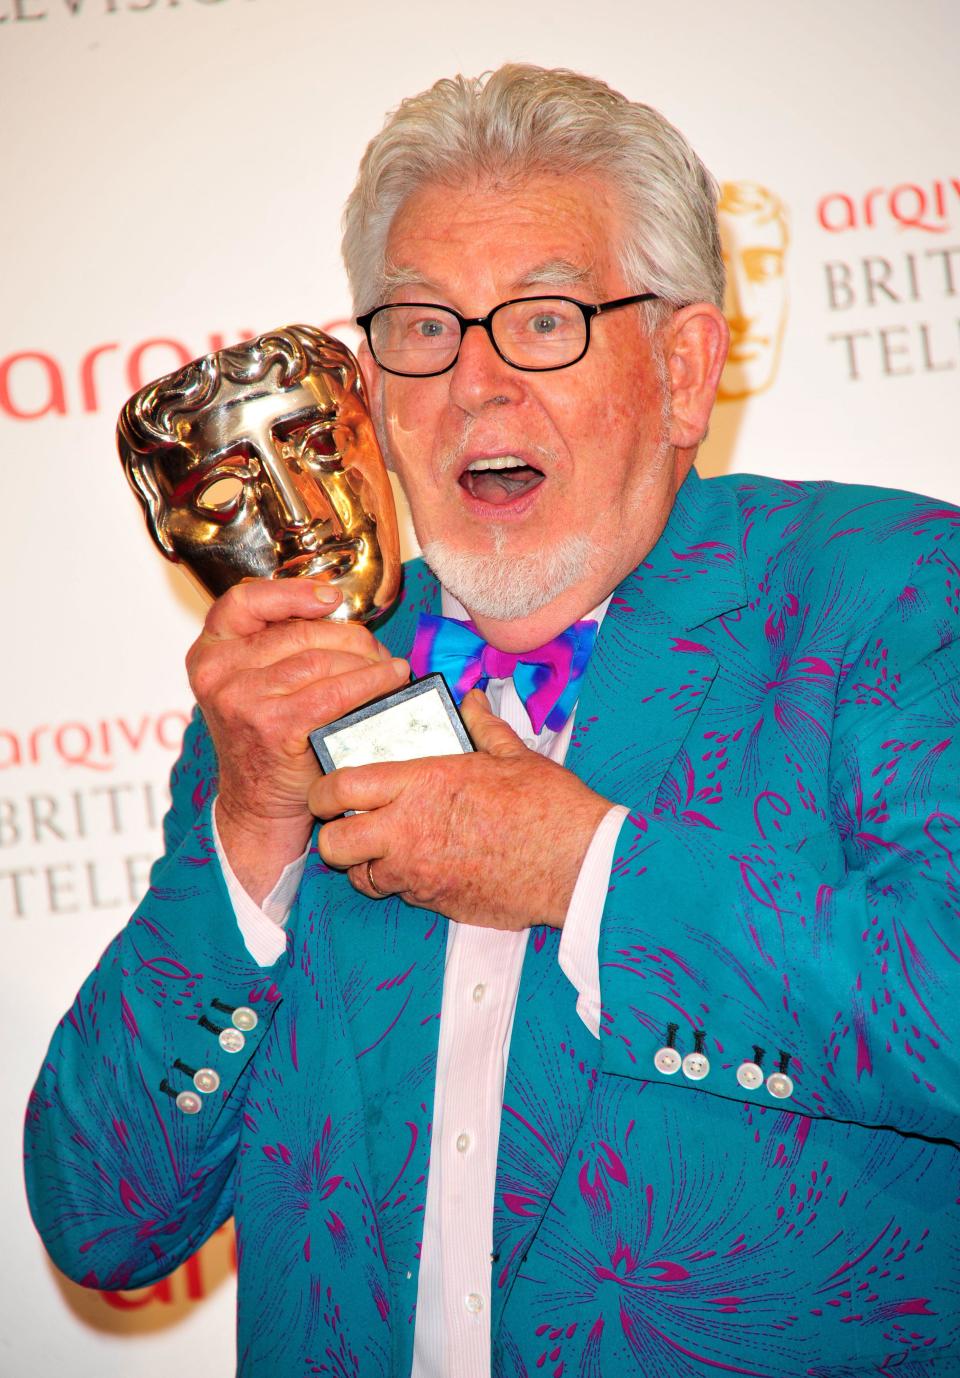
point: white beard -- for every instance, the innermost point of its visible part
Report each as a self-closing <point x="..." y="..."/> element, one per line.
<point x="508" y="587"/>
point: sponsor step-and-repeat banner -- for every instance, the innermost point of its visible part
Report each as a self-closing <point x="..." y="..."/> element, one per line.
<point x="174" y="174"/>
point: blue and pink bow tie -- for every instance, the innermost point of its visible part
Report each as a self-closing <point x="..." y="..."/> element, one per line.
<point x="545" y="678"/>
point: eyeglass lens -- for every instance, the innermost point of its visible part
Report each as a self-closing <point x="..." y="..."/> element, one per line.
<point x="538" y="333"/>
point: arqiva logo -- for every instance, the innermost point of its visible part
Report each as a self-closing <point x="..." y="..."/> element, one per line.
<point x="35" y="384"/>
<point x="95" y="745"/>
<point x="925" y="206"/>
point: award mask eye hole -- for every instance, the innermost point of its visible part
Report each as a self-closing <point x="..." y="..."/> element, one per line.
<point x="311" y="432"/>
<point x="319" y="441"/>
<point x="222" y="496"/>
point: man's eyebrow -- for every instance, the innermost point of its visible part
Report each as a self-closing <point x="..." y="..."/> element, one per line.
<point x="556" y="272"/>
<point x="396" y="275"/>
<point x="553" y="272"/>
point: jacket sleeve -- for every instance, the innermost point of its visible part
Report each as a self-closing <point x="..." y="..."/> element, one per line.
<point x="842" y="950"/>
<point x="126" y="1174"/>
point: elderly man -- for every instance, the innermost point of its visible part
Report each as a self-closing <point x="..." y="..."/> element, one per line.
<point x="675" y="1091"/>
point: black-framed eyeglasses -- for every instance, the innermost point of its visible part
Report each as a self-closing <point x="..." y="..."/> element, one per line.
<point x="417" y="339"/>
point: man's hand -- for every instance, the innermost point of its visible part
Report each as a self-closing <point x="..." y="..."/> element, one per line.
<point x="267" y="669"/>
<point x="495" y="838"/>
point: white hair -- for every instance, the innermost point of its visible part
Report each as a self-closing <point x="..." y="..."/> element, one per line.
<point x="521" y="119"/>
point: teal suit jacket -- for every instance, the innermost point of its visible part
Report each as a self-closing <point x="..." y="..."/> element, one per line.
<point x="775" y="694"/>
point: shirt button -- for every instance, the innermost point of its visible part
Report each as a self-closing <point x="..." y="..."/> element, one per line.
<point x="206" y="1080"/>
<point x="463" y="1143"/>
<point x="231" y="1040"/>
<point x="667" y="1061"/>
<point x="696" y="1066"/>
<point x="473" y="1302"/>
<point x="479" y="991"/>
<point x="749" y="1075"/>
<point x="189" y="1102"/>
<point x="244" y="1018"/>
<point x="780" y="1085"/>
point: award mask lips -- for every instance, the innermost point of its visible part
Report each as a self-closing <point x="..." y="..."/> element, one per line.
<point x="261" y="460"/>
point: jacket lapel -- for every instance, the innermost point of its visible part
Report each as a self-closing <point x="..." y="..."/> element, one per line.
<point x="654" y="663"/>
<point x="649" y="678"/>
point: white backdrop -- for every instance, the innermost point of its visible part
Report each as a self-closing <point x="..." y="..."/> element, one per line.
<point x="174" y="173"/>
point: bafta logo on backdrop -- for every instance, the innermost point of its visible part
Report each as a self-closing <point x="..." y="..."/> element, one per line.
<point x="754" y="236"/>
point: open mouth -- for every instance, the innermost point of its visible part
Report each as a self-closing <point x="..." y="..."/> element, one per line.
<point x="500" y="479"/>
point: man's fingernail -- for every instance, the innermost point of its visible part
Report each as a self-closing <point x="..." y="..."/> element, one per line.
<point x="326" y="595"/>
<point x="400" y="668"/>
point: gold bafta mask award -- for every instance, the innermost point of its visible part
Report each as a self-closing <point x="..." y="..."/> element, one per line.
<point x="261" y="461"/>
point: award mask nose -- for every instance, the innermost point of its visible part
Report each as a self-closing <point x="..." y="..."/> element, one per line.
<point x="287" y="501"/>
<point x="292" y="511"/>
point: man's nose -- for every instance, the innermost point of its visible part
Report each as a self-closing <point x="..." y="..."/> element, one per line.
<point x="480" y="376"/>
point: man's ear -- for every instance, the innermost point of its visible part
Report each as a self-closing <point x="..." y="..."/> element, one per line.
<point x="695" y="343"/>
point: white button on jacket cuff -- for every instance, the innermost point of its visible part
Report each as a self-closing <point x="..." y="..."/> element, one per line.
<point x="696" y="1066"/>
<point x="750" y="1075"/>
<point x="780" y="1085"/>
<point x="667" y="1061"/>
<point x="231" y="1040"/>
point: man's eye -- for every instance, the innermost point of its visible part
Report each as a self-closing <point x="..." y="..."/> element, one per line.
<point x="429" y="329"/>
<point x="221" y="496"/>
<point x="545" y="324"/>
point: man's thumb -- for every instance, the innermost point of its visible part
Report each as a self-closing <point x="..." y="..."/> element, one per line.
<point x="488" y="732"/>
